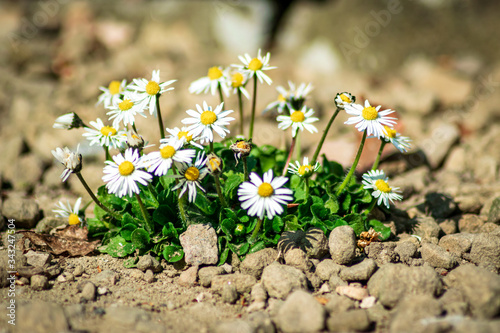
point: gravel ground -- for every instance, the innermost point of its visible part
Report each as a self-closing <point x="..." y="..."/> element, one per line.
<point x="439" y="271"/>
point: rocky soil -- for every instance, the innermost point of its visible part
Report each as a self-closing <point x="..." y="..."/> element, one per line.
<point x="439" y="272"/>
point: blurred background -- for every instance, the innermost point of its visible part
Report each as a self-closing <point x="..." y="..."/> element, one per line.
<point x="434" y="61"/>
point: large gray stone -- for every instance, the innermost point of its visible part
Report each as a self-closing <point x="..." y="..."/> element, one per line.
<point x="437" y="257"/>
<point x="255" y="263"/>
<point x="149" y="262"/>
<point x="199" y="242"/>
<point x="485" y="251"/>
<point x="350" y="321"/>
<point x="494" y="213"/>
<point x="25" y="212"/>
<point x="41" y="317"/>
<point x="326" y="268"/>
<point x="280" y="280"/>
<point x="359" y="272"/>
<point x="342" y="242"/>
<point x="300" y="313"/>
<point x="457" y="244"/>
<point x="412" y="313"/>
<point x="480" y="287"/>
<point x="243" y="282"/>
<point x="393" y="281"/>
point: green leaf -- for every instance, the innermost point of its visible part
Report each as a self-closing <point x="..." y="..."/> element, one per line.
<point x="169" y="231"/>
<point x="118" y="247"/>
<point x="128" y="219"/>
<point x="140" y="238"/>
<point x="232" y="183"/>
<point x="167" y="181"/>
<point x="164" y="214"/>
<point x="227" y="226"/>
<point x="277" y="224"/>
<point x="231" y="214"/>
<point x="332" y="204"/>
<point x="257" y="247"/>
<point x="346" y="204"/>
<point x="319" y="211"/>
<point x="380" y="227"/>
<point x="95" y="226"/>
<point x="173" y="253"/>
<point x="356" y="222"/>
<point x="131" y="262"/>
<point x="367" y="197"/>
<point x="126" y="231"/>
<point x="291" y="223"/>
<point x="204" y="205"/>
<point x="243" y="249"/>
<point x="334" y="168"/>
<point x="223" y="256"/>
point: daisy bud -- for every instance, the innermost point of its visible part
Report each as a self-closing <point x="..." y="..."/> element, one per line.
<point x="72" y="161"/>
<point x="241" y="148"/>
<point x="134" y="140"/>
<point x="68" y="121"/>
<point x="214" y="164"/>
<point x="344" y="98"/>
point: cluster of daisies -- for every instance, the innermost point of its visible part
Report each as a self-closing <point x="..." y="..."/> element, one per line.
<point x="181" y="152"/>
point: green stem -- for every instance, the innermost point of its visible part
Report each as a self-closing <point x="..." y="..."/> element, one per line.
<point x="353" y="168"/>
<point x="325" y="132"/>
<point x="307" y="187"/>
<point x="292" y="146"/>
<point x="145" y="214"/>
<point x="160" y="121"/>
<point x="134" y="128"/>
<point x="377" y="160"/>
<point x="219" y="192"/>
<point x="245" y="168"/>
<point x="180" y="200"/>
<point x="255" y="231"/>
<point x="220" y="93"/>
<point x="106" y="152"/>
<point x="240" y="105"/>
<point x="211" y="146"/>
<point x="370" y="208"/>
<point x="297" y="147"/>
<point x="98" y="203"/>
<point x="151" y="189"/>
<point x="253" y="106"/>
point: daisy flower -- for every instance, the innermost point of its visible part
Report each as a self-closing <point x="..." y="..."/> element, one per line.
<point x="72" y="214"/>
<point x="256" y="66"/>
<point x="294" y="96"/>
<point x="161" y="161"/>
<point x="122" y="174"/>
<point x="72" y="161"/>
<point x="402" y="143"/>
<point x="105" y="135"/>
<point x="264" y="196"/>
<point x="68" y="121"/>
<point x="369" y="118"/>
<point x="205" y="121"/>
<point x="111" y="93"/>
<point x="343" y="99"/>
<point x="147" y="90"/>
<point x="124" y="110"/>
<point x="376" y="180"/>
<point x="190" y="176"/>
<point x="305" y="170"/>
<point x="298" y="120"/>
<point x="237" y="81"/>
<point x="182" y="135"/>
<point x="214" y="78"/>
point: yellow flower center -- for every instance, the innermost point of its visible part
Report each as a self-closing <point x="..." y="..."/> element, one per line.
<point x="126" y="168"/>
<point x="167" y="152"/>
<point x="345" y="98"/>
<point x="391" y="133"/>
<point x="242" y="145"/>
<point x="114" y="87"/>
<point x="135" y="137"/>
<point x="382" y="186"/>
<point x="73" y="219"/>
<point x="126" y="105"/>
<point x="255" y="64"/>
<point x="265" y="190"/>
<point x="208" y="117"/>
<point x="108" y="131"/>
<point x="297" y="116"/>
<point x="214" y="73"/>
<point x="304" y="169"/>
<point x="214" y="163"/>
<point x="369" y="113"/>
<point x="184" y="134"/>
<point x="192" y="173"/>
<point x="237" y="80"/>
<point x="152" y="88"/>
<point x="281" y="98"/>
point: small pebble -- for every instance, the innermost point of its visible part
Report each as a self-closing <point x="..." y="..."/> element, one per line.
<point x="229" y="293"/>
<point x="79" y="270"/>
<point x="149" y="276"/>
